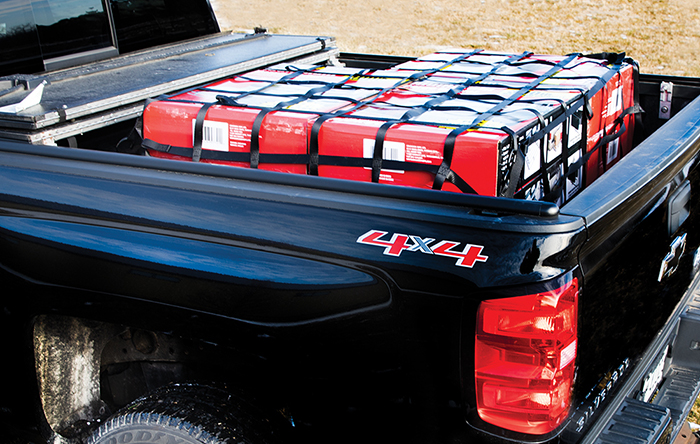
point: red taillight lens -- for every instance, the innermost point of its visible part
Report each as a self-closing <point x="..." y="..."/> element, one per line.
<point x="524" y="359"/>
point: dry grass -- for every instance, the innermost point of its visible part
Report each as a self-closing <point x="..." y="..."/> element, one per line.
<point x="695" y="412"/>
<point x="663" y="35"/>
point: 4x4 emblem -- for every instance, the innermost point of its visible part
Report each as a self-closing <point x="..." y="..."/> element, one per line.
<point x="398" y="243"/>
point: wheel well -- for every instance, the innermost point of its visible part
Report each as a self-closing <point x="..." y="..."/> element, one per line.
<point x="87" y="370"/>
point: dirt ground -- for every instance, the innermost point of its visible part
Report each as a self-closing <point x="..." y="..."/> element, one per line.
<point x="662" y="35"/>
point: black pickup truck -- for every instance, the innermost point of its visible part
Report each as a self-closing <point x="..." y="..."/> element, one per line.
<point x="147" y="300"/>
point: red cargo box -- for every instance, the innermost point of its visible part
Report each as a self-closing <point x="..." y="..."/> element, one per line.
<point x="618" y="96"/>
<point x="226" y="130"/>
<point x="607" y="105"/>
<point x="410" y="144"/>
<point x="482" y="157"/>
<point x="482" y="154"/>
<point x="169" y="124"/>
<point x="518" y="124"/>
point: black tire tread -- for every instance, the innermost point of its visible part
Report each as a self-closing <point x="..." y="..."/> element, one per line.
<point x="197" y="434"/>
<point x="202" y="414"/>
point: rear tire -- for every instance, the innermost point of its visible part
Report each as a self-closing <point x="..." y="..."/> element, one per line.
<point x="190" y="414"/>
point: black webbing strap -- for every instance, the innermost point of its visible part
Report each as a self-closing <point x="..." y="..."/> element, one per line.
<point x="518" y="163"/>
<point x="613" y="58"/>
<point x="254" y="155"/>
<point x="594" y="59"/>
<point x="150" y="144"/>
<point x="228" y="156"/>
<point x="255" y="138"/>
<point x="460" y="183"/>
<point x="452" y="136"/>
<point x="542" y="152"/>
<point x="586" y="115"/>
<point x="62" y="114"/>
<point x="604" y="156"/>
<point x="132" y="144"/>
<point x="346" y="161"/>
<point x="638" y="120"/>
<point x="378" y="155"/>
<point x="542" y="124"/>
<point x="199" y="131"/>
<point x="565" y="140"/>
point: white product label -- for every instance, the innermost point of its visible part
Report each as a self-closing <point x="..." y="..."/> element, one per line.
<point x="612" y="151"/>
<point x="374" y="82"/>
<point x="615" y="101"/>
<point x="535" y="191"/>
<point x="574" y="132"/>
<point x="554" y="139"/>
<point x="573" y="182"/>
<point x="532" y="160"/>
<point x="214" y="135"/>
<point x="392" y="151"/>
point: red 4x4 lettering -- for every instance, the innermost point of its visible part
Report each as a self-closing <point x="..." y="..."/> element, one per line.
<point x="470" y="254"/>
<point x="465" y="258"/>
<point x="393" y="247"/>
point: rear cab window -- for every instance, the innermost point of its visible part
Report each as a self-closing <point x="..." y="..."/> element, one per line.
<point x="43" y="35"/>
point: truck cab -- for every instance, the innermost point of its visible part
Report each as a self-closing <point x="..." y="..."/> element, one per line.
<point x="45" y="35"/>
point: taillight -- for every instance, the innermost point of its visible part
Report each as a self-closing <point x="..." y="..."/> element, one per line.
<point x="524" y="359"/>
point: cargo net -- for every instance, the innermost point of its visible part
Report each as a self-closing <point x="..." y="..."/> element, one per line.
<point x="516" y="125"/>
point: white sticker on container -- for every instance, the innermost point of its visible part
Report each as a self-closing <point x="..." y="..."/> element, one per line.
<point x="573" y="181"/>
<point x="214" y="135"/>
<point x="574" y="131"/>
<point x="534" y="192"/>
<point x="615" y="101"/>
<point x="532" y="160"/>
<point x="392" y="151"/>
<point x="612" y="151"/>
<point x="554" y="141"/>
